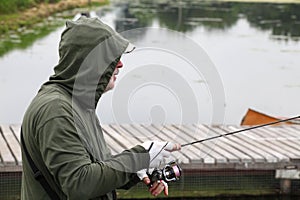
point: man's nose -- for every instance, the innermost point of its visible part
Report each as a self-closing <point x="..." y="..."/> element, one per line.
<point x="119" y="65"/>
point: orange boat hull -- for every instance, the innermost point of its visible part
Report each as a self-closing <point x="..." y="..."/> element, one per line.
<point x="253" y="117"/>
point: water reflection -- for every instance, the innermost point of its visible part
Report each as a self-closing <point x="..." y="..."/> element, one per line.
<point x="283" y="20"/>
<point x="235" y="36"/>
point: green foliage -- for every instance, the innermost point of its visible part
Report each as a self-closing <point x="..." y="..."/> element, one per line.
<point x="26" y="37"/>
<point x="47" y="1"/>
<point x="10" y="6"/>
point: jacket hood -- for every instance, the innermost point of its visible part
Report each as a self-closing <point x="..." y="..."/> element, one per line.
<point x="89" y="51"/>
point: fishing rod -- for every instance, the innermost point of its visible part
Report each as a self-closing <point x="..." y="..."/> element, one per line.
<point x="172" y="171"/>
<point x="239" y="131"/>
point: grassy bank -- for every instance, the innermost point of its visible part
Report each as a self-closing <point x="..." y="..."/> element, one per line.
<point x="23" y="13"/>
<point x="9" y="6"/>
<point x="21" y="27"/>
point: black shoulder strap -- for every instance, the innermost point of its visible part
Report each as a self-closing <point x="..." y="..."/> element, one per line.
<point x="37" y="173"/>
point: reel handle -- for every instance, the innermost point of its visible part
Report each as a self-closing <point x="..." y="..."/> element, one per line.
<point x="170" y="173"/>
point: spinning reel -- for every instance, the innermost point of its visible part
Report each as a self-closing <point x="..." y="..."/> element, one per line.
<point x="171" y="172"/>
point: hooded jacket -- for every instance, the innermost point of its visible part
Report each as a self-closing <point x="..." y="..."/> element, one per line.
<point x="61" y="130"/>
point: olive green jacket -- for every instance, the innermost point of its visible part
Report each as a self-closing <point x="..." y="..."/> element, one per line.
<point x="61" y="130"/>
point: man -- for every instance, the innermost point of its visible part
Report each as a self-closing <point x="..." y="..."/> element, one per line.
<point x="62" y="141"/>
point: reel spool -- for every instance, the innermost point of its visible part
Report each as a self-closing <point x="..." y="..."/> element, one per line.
<point x="171" y="172"/>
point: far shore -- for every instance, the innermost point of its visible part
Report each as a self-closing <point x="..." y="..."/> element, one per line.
<point x="31" y="16"/>
<point x="37" y="13"/>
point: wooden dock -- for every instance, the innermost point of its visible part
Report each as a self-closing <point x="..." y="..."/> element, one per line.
<point x="268" y="148"/>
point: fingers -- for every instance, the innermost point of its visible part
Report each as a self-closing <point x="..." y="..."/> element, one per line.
<point x="158" y="187"/>
<point x="166" y="190"/>
<point x="146" y="180"/>
<point x="177" y="147"/>
<point x="173" y="147"/>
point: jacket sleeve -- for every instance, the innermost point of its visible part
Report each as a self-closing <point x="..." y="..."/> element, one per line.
<point x="132" y="182"/>
<point x="69" y="163"/>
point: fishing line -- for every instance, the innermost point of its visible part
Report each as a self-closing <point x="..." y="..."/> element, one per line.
<point x="239" y="131"/>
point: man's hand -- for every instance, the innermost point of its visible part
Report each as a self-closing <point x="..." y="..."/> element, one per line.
<point x="158" y="151"/>
<point x="157" y="187"/>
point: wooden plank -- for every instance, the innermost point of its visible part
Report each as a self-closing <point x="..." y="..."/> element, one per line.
<point x="131" y="134"/>
<point x="255" y="141"/>
<point x="224" y="149"/>
<point x="237" y="147"/>
<point x="284" y="132"/>
<point x="280" y="142"/>
<point x="287" y="139"/>
<point x="243" y="147"/>
<point x="135" y="133"/>
<point x="135" y="130"/>
<point x="5" y="152"/>
<point x="293" y="133"/>
<point x="200" y="132"/>
<point x="125" y="136"/>
<point x="180" y="156"/>
<point x="296" y="128"/>
<point x="112" y="144"/>
<point x="13" y="143"/>
<point x="17" y="131"/>
<point x="277" y="147"/>
<point x="10" y="168"/>
<point x="249" y="145"/>
<point x="192" y="152"/>
<point x="268" y="141"/>
<point x="188" y="137"/>
<point x="209" y="146"/>
<point x="116" y="137"/>
<point x="230" y="146"/>
<point x="288" y="134"/>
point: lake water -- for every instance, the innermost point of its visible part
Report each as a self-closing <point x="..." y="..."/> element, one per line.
<point x="195" y="62"/>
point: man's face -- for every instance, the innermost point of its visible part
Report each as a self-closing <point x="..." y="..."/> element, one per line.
<point x="113" y="78"/>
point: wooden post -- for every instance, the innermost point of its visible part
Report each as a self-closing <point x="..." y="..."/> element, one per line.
<point x="285" y="186"/>
<point x="286" y="176"/>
